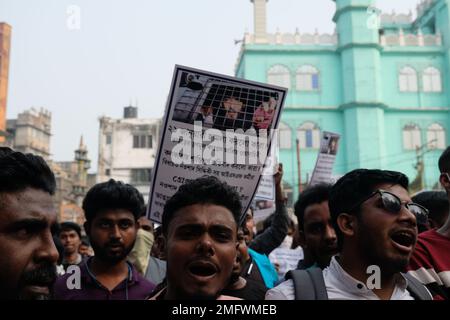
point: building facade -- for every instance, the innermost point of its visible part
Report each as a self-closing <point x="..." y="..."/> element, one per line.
<point x="5" y="45"/>
<point x="127" y="149"/>
<point x="30" y="132"/>
<point x="72" y="183"/>
<point x="64" y="199"/>
<point x="381" y="81"/>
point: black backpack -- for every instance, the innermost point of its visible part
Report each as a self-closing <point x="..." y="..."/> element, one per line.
<point x="309" y="285"/>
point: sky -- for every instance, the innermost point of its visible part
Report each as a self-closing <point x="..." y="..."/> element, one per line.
<point x="124" y="51"/>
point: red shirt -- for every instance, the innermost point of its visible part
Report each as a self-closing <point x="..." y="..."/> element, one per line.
<point x="430" y="263"/>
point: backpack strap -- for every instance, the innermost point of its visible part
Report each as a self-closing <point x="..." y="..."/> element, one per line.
<point x="416" y="288"/>
<point x="308" y="284"/>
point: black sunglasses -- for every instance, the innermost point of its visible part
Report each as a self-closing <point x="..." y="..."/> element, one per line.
<point x="393" y="204"/>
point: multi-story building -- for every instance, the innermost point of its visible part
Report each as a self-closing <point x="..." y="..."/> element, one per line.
<point x="5" y="44"/>
<point x="381" y="81"/>
<point x="127" y="149"/>
<point x="31" y="132"/>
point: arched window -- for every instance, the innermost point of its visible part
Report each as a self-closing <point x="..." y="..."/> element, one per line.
<point x="279" y="75"/>
<point x="407" y="80"/>
<point x="436" y="136"/>
<point x="431" y="80"/>
<point x="307" y="78"/>
<point x="308" y="135"/>
<point x="284" y="136"/>
<point x="411" y="137"/>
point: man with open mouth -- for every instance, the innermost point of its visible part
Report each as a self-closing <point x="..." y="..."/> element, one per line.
<point x="200" y="226"/>
<point x="375" y="224"/>
<point x="27" y="220"/>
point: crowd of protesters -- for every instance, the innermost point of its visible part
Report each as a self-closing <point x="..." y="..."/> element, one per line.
<point x="363" y="238"/>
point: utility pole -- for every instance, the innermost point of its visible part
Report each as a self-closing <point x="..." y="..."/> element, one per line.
<point x="418" y="183"/>
<point x="300" y="189"/>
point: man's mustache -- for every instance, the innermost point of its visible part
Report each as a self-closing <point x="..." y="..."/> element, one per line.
<point x="114" y="243"/>
<point x="42" y="276"/>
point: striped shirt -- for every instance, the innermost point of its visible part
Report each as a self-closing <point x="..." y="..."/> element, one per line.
<point x="430" y="263"/>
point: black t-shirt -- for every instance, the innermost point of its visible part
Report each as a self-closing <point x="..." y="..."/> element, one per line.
<point x="253" y="290"/>
<point x="251" y="271"/>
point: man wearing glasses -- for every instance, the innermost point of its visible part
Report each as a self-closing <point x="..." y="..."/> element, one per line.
<point x="431" y="260"/>
<point x="375" y="224"/>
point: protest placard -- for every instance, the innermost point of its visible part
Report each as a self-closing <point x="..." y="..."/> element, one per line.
<point x="264" y="201"/>
<point x="214" y="125"/>
<point x="324" y="165"/>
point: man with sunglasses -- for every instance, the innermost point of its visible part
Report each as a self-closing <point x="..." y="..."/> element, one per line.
<point x="376" y="230"/>
<point x="430" y="262"/>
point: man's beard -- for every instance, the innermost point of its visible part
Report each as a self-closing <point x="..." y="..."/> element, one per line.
<point x="43" y="276"/>
<point x="199" y="297"/>
<point x="101" y="252"/>
<point x="375" y="256"/>
<point x="193" y="296"/>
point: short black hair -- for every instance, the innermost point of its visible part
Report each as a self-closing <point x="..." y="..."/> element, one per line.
<point x="353" y="187"/>
<point x="69" y="226"/>
<point x="112" y="195"/>
<point x="444" y="161"/>
<point x="19" y="171"/>
<point x="435" y="201"/>
<point x="311" y="195"/>
<point x="5" y="151"/>
<point x="204" y="190"/>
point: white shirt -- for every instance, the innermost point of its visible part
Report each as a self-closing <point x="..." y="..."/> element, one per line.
<point x="341" y="286"/>
<point x="286" y="258"/>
